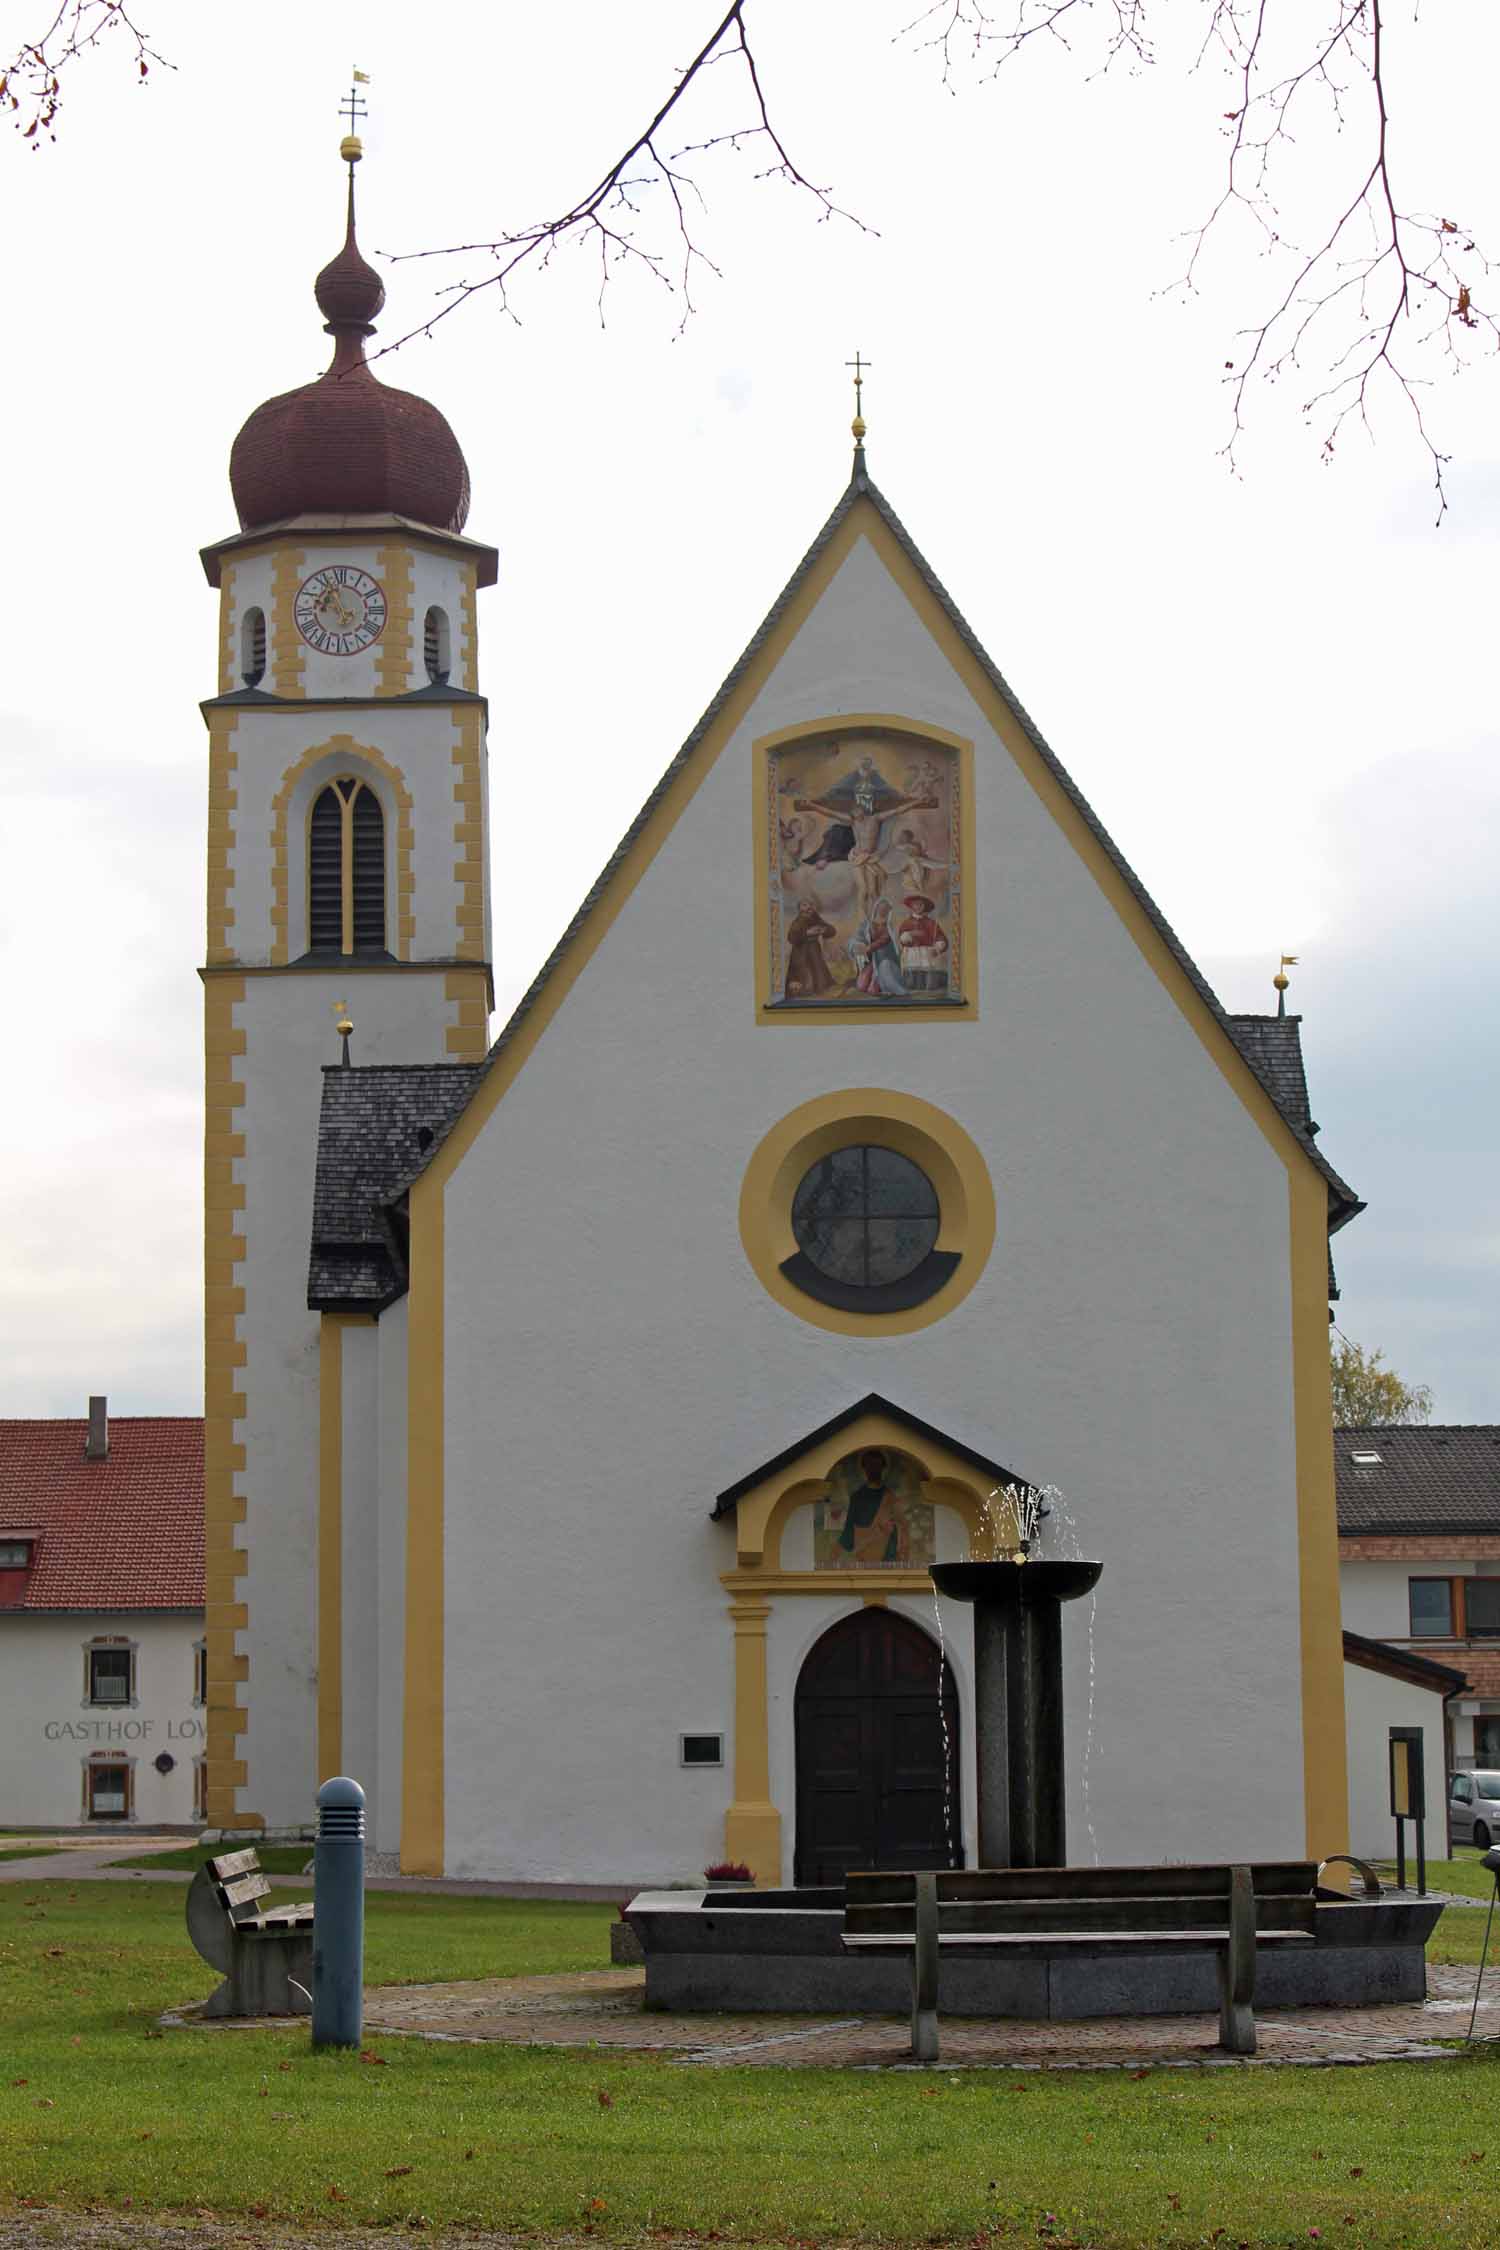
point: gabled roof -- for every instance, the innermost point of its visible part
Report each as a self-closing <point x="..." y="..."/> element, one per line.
<point x="122" y="1533"/>
<point x="1430" y="1478"/>
<point x="1271" y="1053"/>
<point x="370" y="1140"/>
<point x="871" y="1403"/>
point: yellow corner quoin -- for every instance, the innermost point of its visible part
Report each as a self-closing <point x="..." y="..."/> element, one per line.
<point x="288" y="649"/>
<point x="393" y="650"/>
<point x="915" y="1129"/>
<point x="223" y="803"/>
<point x="228" y="621"/>
<point x="224" y="1503"/>
<point x="911" y="734"/>
<point x="422" y="1747"/>
<point x="467" y="992"/>
<point x="1324" y="1745"/>
<point x="468" y="834"/>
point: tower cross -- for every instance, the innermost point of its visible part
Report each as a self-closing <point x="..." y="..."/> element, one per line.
<point x="861" y="368"/>
<point x="353" y="107"/>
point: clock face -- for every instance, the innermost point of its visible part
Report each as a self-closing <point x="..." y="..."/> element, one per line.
<point x="340" y="610"/>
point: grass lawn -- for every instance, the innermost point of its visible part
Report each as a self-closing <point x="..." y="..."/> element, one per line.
<point x="98" y="2105"/>
<point x="28" y="1851"/>
<point x="275" y="1859"/>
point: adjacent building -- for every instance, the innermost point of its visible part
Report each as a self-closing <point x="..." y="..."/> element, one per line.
<point x="102" y="1663"/>
<point x="1419" y="1562"/>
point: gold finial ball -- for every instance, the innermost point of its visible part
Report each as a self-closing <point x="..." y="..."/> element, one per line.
<point x="351" y="148"/>
<point x="1281" y="981"/>
<point x="343" y="1027"/>
<point x="858" y="428"/>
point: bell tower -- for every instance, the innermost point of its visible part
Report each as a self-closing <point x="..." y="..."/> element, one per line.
<point x="347" y="870"/>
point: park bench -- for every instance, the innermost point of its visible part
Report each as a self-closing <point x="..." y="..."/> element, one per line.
<point x="265" y="1956"/>
<point x="1083" y="1914"/>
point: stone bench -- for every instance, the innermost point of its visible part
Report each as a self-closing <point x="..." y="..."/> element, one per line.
<point x="1087" y="1915"/>
<point x="264" y="1955"/>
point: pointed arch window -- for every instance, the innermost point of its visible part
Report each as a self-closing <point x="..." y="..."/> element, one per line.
<point x="346" y="869"/>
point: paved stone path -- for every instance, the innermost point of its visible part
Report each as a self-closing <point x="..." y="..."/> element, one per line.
<point x="603" y="2009"/>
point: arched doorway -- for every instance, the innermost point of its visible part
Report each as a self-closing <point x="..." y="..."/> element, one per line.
<point x="877" y="1751"/>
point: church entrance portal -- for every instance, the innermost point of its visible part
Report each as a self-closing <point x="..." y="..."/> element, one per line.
<point x="874" y="1758"/>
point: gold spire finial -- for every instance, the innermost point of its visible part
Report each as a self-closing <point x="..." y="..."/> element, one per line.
<point x="1281" y="980"/>
<point x="343" y="1027"/>
<point x="857" y="426"/>
<point x="351" y="147"/>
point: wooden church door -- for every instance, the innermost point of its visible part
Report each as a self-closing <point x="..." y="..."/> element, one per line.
<point x="877" y="1752"/>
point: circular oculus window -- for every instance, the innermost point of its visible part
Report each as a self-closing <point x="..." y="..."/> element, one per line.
<point x="866" y="1221"/>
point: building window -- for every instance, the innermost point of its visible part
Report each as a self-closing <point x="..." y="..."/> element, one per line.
<point x="15" y="1554"/>
<point x="435" y="647"/>
<point x="346" y="869"/>
<point x="702" y="1750"/>
<point x="1431" y="1608"/>
<point x="1487" y="1741"/>
<point x="200" y="1789"/>
<point x="866" y="1219"/>
<point x="1482" y="1608"/>
<point x="107" y="1790"/>
<point x="200" y="1671"/>
<point x="110" y="1672"/>
<point x="253" y="647"/>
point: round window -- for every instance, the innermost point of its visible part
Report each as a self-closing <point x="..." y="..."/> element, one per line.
<point x="866" y="1219"/>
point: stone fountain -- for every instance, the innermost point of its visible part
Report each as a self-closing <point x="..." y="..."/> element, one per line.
<point x="1018" y="1701"/>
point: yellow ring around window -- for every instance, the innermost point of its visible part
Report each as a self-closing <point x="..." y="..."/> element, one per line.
<point x="915" y="1129"/>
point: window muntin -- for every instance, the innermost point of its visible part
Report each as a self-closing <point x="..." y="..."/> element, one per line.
<point x="108" y="1790"/>
<point x="111" y="1675"/>
<point x="865" y="1216"/>
<point x="1482" y="1608"/>
<point x="346" y="869"/>
<point x="200" y="1671"/>
<point x="1431" y="1605"/>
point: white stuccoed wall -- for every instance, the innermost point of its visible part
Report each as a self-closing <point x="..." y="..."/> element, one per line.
<point x="1374" y="1704"/>
<point x="612" y="1361"/>
<point x="50" y="1728"/>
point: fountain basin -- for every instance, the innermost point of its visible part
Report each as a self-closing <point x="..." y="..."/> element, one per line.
<point x="1015" y="1583"/>
<point x="778" y="1952"/>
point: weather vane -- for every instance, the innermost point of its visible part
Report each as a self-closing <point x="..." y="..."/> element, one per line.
<point x="857" y="426"/>
<point x="1281" y="980"/>
<point x="352" y="108"/>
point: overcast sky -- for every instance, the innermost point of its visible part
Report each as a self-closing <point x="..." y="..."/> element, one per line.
<point x="1278" y="691"/>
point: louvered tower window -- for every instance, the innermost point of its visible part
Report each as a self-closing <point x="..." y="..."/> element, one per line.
<point x="346" y="870"/>
<point x="253" y="647"/>
<point x="435" y="646"/>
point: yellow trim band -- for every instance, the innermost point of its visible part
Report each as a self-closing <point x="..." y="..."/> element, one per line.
<point x="422" y="1742"/>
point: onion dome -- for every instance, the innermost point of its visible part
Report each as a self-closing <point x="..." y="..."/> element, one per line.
<point x="349" y="444"/>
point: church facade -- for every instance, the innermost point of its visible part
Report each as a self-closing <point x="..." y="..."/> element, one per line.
<point x="584" y="1409"/>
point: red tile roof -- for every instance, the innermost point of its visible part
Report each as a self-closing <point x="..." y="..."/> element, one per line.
<point x="122" y="1533"/>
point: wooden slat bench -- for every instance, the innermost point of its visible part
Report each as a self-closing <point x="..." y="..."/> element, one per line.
<point x="1082" y="1913"/>
<point x="265" y="1955"/>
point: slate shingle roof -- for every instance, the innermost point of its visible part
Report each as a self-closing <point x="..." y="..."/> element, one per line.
<point x="1430" y="1478"/>
<point x="122" y="1533"/>
<point x="370" y="1142"/>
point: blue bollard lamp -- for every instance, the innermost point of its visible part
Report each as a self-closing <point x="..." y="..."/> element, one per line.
<point x="338" y="1970"/>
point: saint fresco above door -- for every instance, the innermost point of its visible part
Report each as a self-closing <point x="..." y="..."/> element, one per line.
<point x="871" y="1514"/>
<point x="865" y="874"/>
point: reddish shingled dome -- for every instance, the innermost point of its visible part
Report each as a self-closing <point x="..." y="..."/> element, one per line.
<point x="349" y="444"/>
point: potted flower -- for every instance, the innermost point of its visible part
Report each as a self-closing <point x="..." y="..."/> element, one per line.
<point x="729" y="1875"/>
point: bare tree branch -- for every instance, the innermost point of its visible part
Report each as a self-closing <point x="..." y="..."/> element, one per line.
<point x="31" y="82"/>
<point x="1375" y="294"/>
<point x="612" y="217"/>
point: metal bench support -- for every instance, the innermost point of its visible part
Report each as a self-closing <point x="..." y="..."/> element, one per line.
<point x="924" y="1971"/>
<point x="1237" y="1968"/>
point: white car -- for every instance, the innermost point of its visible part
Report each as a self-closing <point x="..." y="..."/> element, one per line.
<point x="1474" y="1808"/>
